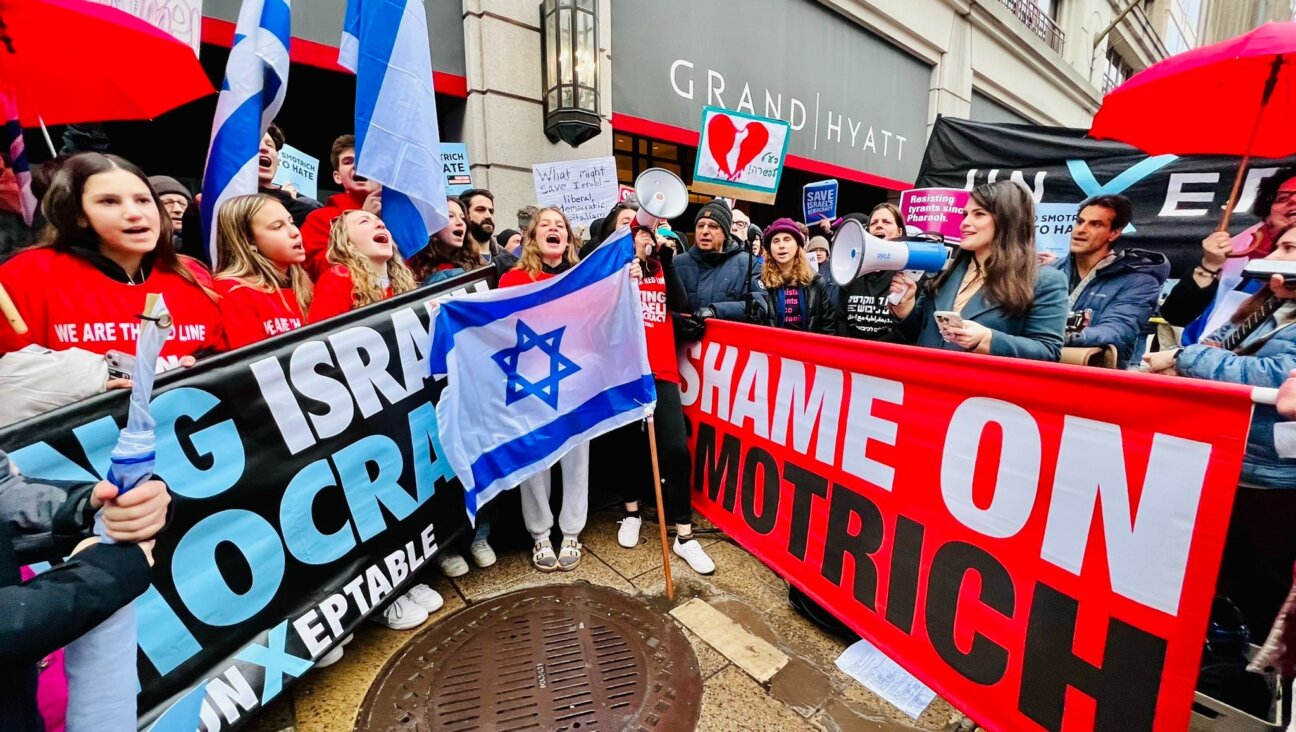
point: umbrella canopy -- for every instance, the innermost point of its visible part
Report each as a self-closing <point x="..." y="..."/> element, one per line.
<point x="69" y="61"/>
<point x="1211" y="100"/>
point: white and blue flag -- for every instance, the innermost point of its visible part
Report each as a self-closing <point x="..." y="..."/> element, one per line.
<point x="538" y="369"/>
<point x="398" y="144"/>
<point x="256" y="81"/>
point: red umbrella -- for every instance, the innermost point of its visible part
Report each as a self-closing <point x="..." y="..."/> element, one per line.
<point x="69" y="61"/>
<point x="1236" y="97"/>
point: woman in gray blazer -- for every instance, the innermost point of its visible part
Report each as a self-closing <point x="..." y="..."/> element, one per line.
<point x="1007" y="305"/>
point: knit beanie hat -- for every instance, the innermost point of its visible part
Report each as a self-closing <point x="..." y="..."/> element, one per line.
<point x="163" y="184"/>
<point x="818" y="243"/>
<point x="783" y="226"/>
<point x="717" y="211"/>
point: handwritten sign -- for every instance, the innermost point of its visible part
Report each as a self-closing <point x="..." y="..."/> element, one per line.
<point x="935" y="210"/>
<point x="819" y="200"/>
<point x="457" y="167"/>
<point x="180" y="18"/>
<point x="299" y="169"/>
<point x="584" y="189"/>
<point x="740" y="155"/>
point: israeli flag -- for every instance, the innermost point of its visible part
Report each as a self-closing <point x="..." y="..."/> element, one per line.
<point x="256" y="81"/>
<point x="538" y="369"/>
<point x="398" y="144"/>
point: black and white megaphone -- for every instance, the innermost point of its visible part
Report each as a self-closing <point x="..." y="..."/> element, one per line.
<point x="856" y="252"/>
<point x="661" y="194"/>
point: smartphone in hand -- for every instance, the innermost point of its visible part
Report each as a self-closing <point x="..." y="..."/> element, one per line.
<point x="947" y="319"/>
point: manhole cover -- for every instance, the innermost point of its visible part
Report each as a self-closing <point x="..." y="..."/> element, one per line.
<point x="577" y="658"/>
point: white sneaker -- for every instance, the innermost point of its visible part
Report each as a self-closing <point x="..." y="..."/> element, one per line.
<point x="425" y="597"/>
<point x="628" y="534"/>
<point x="330" y="658"/>
<point x="692" y="553"/>
<point x="482" y="554"/>
<point x="453" y="565"/>
<point x="401" y="615"/>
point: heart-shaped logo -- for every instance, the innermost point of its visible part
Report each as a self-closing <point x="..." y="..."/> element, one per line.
<point x="721" y="136"/>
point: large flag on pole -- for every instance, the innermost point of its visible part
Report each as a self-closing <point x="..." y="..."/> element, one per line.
<point x="256" y="80"/>
<point x="538" y="369"/>
<point x="398" y="144"/>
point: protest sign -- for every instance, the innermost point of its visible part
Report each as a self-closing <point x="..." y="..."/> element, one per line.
<point x="457" y="167"/>
<point x="624" y="192"/>
<point x="1037" y="543"/>
<point x="299" y="169"/>
<point x="1177" y="199"/>
<point x="584" y="189"/>
<point x="308" y="487"/>
<point x="934" y="210"/>
<point x="180" y="18"/>
<point x="740" y="155"/>
<point x="819" y="201"/>
<point x="1053" y="223"/>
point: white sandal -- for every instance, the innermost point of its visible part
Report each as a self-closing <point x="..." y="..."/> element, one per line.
<point x="543" y="556"/>
<point x="569" y="555"/>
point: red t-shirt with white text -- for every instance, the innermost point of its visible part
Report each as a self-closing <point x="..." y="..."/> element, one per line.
<point x="68" y="303"/>
<point x="334" y="294"/>
<point x="252" y="315"/>
<point x="658" y="328"/>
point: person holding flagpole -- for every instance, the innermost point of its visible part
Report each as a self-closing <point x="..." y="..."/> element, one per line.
<point x="548" y="249"/>
<point x="661" y="291"/>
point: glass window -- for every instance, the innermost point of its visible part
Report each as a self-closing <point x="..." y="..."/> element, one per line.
<point x="1191" y="11"/>
<point x="1174" y="40"/>
<point x="622" y="142"/>
<point x="1048" y="6"/>
<point x="665" y="151"/>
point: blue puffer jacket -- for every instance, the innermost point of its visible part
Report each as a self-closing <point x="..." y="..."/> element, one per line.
<point x="719" y="279"/>
<point x="1122" y="295"/>
<point x="1268" y="367"/>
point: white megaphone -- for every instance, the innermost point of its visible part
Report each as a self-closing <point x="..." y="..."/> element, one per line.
<point x="661" y="194"/>
<point x="856" y="252"/>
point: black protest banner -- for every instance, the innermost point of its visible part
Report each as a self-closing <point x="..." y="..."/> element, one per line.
<point x="1177" y="200"/>
<point x="308" y="488"/>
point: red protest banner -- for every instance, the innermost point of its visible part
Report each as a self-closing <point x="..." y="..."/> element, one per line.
<point x="1038" y="543"/>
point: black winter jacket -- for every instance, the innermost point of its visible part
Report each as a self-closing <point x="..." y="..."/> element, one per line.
<point x="821" y="311"/>
<point x="43" y="521"/>
<point x="719" y="280"/>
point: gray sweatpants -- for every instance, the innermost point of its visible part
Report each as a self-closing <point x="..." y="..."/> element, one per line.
<point x="575" y="502"/>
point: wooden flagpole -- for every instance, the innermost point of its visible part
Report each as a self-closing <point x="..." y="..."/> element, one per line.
<point x="661" y="511"/>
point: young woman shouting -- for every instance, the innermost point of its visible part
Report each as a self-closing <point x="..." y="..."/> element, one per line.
<point x="264" y="289"/>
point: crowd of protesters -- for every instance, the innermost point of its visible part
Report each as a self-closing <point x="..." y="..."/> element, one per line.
<point x="109" y="233"/>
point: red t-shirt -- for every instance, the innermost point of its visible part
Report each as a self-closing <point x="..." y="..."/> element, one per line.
<point x="68" y="303"/>
<point x="333" y="295"/>
<point x="252" y="315"/>
<point x="658" y="328"/>
<point x="315" y="231"/>
<point x="515" y="277"/>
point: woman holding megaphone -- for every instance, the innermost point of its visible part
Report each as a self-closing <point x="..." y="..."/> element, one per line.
<point x="994" y="297"/>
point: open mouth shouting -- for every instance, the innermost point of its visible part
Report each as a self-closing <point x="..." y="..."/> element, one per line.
<point x="381" y="237"/>
<point x="264" y="161"/>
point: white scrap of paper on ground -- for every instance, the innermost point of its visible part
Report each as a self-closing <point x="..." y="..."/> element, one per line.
<point x="1285" y="439"/>
<point x="884" y="677"/>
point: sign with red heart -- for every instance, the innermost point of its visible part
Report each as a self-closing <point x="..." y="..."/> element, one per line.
<point x="740" y="155"/>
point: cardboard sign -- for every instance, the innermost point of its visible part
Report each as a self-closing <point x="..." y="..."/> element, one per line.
<point x="180" y="18"/>
<point x="1037" y="543"/>
<point x="740" y="155"/>
<point x="1053" y="223"/>
<point x="584" y="189"/>
<point x="299" y="169"/>
<point x="935" y="210"/>
<point x="819" y="201"/>
<point x="457" y="167"/>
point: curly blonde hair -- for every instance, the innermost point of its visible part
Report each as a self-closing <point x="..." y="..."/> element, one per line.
<point x="239" y="259"/>
<point x="531" y="260"/>
<point x="793" y="274"/>
<point x="366" y="290"/>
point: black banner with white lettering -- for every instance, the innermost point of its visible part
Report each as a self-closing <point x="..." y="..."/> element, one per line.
<point x="1177" y="200"/>
<point x="308" y="489"/>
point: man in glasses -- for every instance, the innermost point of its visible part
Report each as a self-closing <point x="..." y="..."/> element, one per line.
<point x="357" y="192"/>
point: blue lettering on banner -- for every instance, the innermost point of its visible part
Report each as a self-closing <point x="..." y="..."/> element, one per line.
<point x="297" y="521"/>
<point x="363" y="495"/>
<point x="164" y="639"/>
<point x="220" y="443"/>
<point x="198" y="579"/>
<point x="1085" y="180"/>
<point x="275" y="660"/>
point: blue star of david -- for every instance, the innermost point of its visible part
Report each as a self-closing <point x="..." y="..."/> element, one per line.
<point x="560" y="367"/>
